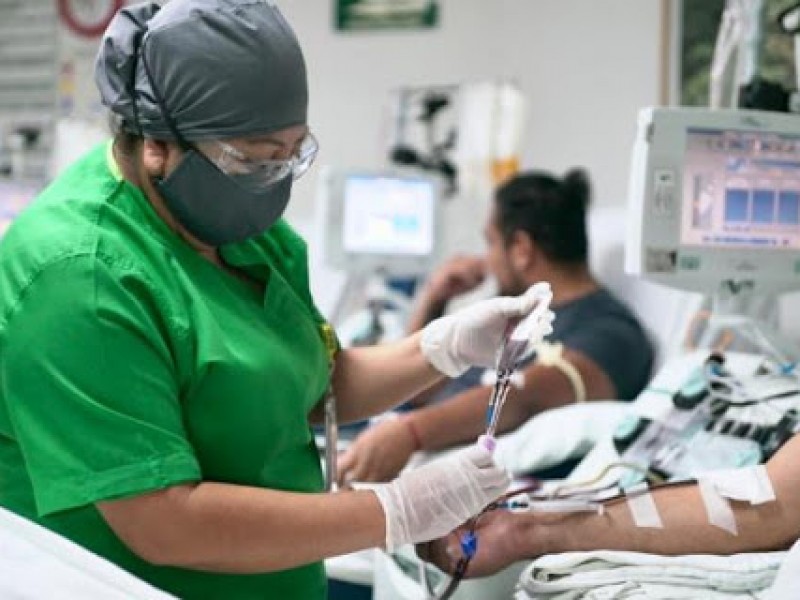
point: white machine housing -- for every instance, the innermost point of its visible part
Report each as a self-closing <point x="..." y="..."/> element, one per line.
<point x="382" y="221"/>
<point x="714" y="200"/>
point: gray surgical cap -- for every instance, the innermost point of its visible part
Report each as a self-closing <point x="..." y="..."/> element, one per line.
<point x="222" y="68"/>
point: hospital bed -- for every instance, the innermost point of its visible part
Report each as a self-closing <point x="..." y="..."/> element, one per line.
<point x="36" y="563"/>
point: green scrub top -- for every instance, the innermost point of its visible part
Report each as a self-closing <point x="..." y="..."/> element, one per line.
<point x="128" y="364"/>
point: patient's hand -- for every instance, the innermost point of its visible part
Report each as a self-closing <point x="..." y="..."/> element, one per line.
<point x="378" y="454"/>
<point x="459" y="275"/>
<point x="497" y="533"/>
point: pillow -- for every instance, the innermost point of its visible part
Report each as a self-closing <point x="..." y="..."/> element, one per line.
<point x="559" y="434"/>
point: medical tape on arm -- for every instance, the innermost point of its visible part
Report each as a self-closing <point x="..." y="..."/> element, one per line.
<point x="551" y="355"/>
<point x="643" y="507"/>
<point x="750" y="484"/>
<point x="489" y="378"/>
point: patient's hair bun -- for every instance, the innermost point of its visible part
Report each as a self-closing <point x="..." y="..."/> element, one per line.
<point x="577" y="188"/>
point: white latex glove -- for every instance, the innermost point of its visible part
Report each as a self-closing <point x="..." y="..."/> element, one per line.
<point x="431" y="501"/>
<point x="473" y="335"/>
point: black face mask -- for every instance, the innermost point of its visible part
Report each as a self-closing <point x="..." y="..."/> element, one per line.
<point x="214" y="207"/>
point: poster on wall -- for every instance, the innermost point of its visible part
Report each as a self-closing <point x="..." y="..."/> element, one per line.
<point x="365" y="15"/>
<point x="699" y="26"/>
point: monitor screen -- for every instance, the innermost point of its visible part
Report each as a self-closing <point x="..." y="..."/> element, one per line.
<point x="388" y="215"/>
<point x="741" y="189"/>
<point x="714" y="200"/>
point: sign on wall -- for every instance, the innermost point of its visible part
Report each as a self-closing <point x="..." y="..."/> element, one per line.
<point x="355" y="15"/>
<point x="700" y="24"/>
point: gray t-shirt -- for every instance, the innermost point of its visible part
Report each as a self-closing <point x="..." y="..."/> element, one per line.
<point x="600" y="327"/>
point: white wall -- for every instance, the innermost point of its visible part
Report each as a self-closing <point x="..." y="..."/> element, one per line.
<point x="585" y="67"/>
<point x="351" y="75"/>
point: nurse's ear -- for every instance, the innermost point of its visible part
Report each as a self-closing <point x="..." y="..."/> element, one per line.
<point x="159" y="158"/>
<point x="154" y="158"/>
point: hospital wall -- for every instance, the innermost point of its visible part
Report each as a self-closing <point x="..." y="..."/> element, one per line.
<point x="585" y="68"/>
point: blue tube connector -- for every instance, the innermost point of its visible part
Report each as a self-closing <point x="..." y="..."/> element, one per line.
<point x="469" y="544"/>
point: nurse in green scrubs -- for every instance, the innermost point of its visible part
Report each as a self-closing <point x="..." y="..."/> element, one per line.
<point x="161" y="358"/>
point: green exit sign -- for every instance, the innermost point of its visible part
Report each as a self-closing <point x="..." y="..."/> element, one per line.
<point x="364" y="15"/>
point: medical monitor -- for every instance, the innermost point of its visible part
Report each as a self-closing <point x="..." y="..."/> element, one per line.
<point x="379" y="220"/>
<point x="714" y="199"/>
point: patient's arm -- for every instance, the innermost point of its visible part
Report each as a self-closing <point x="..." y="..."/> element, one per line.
<point x="462" y="418"/>
<point x="383" y="450"/>
<point x="505" y="538"/>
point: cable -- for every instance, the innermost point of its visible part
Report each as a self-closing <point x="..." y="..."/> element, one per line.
<point x="497" y="400"/>
<point x="650" y="476"/>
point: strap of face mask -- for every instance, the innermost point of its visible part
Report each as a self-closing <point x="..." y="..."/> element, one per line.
<point x="132" y="84"/>
<point x="162" y="107"/>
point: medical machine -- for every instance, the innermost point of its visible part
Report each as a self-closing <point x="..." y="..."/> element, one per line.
<point x="714" y="207"/>
<point x="714" y="200"/>
<point x="377" y="227"/>
<point x="384" y="221"/>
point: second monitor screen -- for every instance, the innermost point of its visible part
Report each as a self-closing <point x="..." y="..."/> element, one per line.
<point x="388" y="215"/>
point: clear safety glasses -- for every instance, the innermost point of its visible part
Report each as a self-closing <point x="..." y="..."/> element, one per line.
<point x="262" y="173"/>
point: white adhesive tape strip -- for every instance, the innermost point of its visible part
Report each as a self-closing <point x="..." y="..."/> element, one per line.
<point x="750" y="484"/>
<point x="489" y="378"/>
<point x="643" y="507"/>
<point x="718" y="508"/>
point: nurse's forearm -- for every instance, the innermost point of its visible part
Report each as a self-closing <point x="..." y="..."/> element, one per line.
<point x="369" y="381"/>
<point x="238" y="529"/>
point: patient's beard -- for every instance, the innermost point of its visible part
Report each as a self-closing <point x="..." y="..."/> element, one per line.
<point x="512" y="289"/>
<point x="514" y="285"/>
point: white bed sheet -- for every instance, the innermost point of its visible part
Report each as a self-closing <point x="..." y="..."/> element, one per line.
<point x="36" y="563"/>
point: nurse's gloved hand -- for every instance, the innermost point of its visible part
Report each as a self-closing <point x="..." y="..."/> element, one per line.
<point x="472" y="336"/>
<point x="431" y="501"/>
